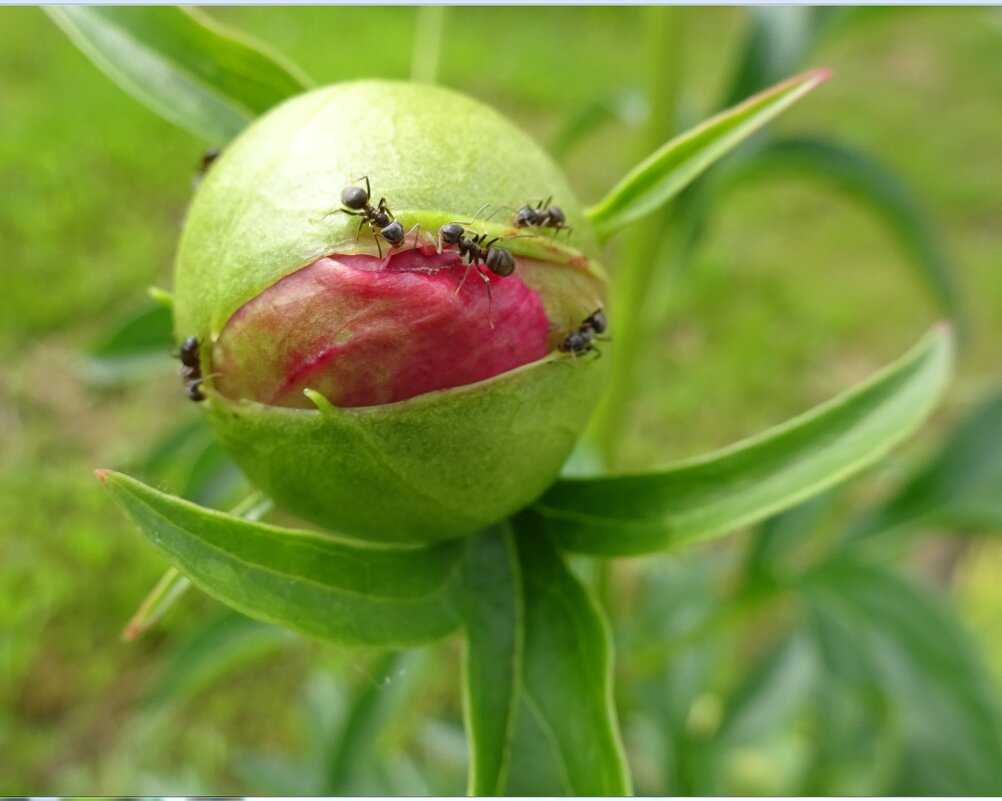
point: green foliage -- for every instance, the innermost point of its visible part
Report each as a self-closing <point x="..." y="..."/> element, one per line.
<point x="715" y="494"/>
<point x="188" y="69"/>
<point x="960" y="487"/>
<point x="869" y="181"/>
<point x="940" y="706"/>
<point x="666" y="172"/>
<point x="822" y="719"/>
<point x="539" y="705"/>
<point x="351" y="593"/>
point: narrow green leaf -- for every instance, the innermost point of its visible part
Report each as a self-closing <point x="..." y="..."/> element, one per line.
<point x="322" y="586"/>
<point x="667" y="171"/>
<point x="778" y="41"/>
<point x="961" y="486"/>
<point x="135" y="348"/>
<point x="538" y="691"/>
<point x="171" y="586"/>
<point x="772" y="692"/>
<point x="224" y="644"/>
<point x="712" y="495"/>
<point x="348" y="763"/>
<point x="905" y="647"/>
<point x="187" y="68"/>
<point x="872" y="183"/>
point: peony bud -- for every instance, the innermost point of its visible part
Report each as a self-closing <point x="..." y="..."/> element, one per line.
<point x="381" y="385"/>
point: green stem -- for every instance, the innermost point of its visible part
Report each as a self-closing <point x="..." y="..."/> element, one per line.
<point x="427" y="44"/>
<point x="634" y="278"/>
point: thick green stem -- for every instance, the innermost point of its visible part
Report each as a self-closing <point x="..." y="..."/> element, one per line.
<point x="427" y="53"/>
<point x="640" y="253"/>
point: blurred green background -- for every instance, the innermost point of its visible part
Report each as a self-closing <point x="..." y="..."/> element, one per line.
<point x="795" y="293"/>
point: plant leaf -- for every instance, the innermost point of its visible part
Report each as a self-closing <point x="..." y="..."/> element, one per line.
<point x="961" y="486"/>
<point x="901" y="641"/>
<point x="778" y="41"/>
<point x="134" y="349"/>
<point x="190" y="70"/>
<point x="670" y="169"/>
<point x="226" y="643"/>
<point x="872" y="183"/>
<point x="538" y="689"/>
<point x="709" y="496"/>
<point x="328" y="588"/>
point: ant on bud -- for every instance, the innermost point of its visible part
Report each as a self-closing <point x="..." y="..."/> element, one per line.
<point x="542" y="215"/>
<point x="207" y="160"/>
<point x="478" y="250"/>
<point x="581" y="339"/>
<point x="355" y="201"/>
<point x="191" y="369"/>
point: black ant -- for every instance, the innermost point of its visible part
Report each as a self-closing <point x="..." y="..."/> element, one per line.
<point x="580" y="340"/>
<point x="542" y="215"/>
<point x="208" y="157"/>
<point x="478" y="250"/>
<point x="191" y="369"/>
<point x="380" y="219"/>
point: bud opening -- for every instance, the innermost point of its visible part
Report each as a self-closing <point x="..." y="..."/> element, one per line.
<point x="364" y="331"/>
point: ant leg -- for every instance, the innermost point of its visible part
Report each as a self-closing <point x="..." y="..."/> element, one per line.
<point x="368" y="189"/>
<point x="465" y="275"/>
<point x="507" y="208"/>
<point x="479" y="212"/>
<point x="490" y="297"/>
<point x="358" y="233"/>
<point x="382" y="207"/>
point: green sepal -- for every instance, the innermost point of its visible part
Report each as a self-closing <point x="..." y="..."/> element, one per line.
<point x="314" y="583"/>
<point x="715" y="494"/>
<point x="437" y="466"/>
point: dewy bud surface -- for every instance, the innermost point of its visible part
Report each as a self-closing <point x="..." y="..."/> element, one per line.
<point x="390" y="393"/>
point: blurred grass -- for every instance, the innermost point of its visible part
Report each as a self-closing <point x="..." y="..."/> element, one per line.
<point x="796" y="294"/>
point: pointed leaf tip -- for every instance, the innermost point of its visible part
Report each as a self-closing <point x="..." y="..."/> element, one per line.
<point x="667" y="171"/>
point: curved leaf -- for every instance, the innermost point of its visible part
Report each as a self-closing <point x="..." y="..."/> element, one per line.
<point x="961" y="486"/>
<point x="777" y="42"/>
<point x="870" y="182"/>
<point x="538" y="691"/>
<point x="905" y="650"/>
<point x="190" y="70"/>
<point x="332" y="589"/>
<point x="670" y="169"/>
<point x="712" y="495"/>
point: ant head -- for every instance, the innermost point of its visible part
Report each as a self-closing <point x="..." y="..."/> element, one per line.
<point x="500" y="262"/>
<point x="525" y="216"/>
<point x="189" y="350"/>
<point x="596" y="321"/>
<point x="450" y="233"/>
<point x="354" y="197"/>
<point x="575" y="342"/>
<point x="393" y="233"/>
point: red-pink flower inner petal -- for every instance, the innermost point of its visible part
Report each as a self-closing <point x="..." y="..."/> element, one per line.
<point x="364" y="331"/>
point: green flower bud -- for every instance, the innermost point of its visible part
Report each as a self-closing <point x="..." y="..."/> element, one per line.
<point x="382" y="385"/>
